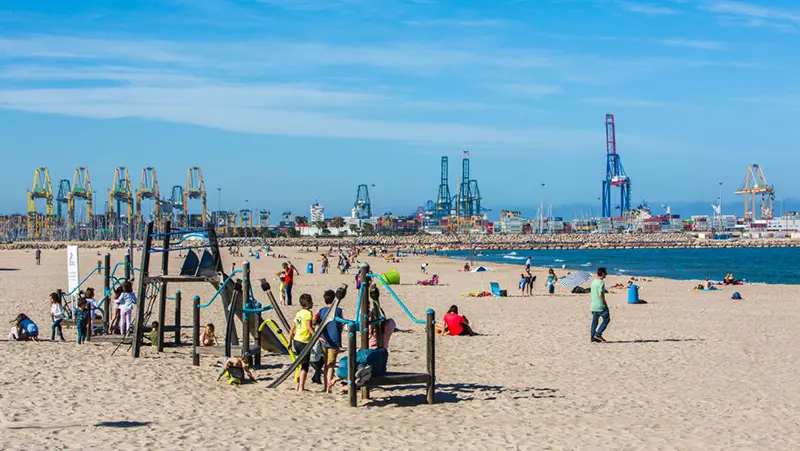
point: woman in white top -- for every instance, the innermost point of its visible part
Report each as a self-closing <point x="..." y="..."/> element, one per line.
<point x="57" y="313"/>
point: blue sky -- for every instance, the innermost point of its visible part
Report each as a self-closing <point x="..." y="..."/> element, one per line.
<point x="283" y="102"/>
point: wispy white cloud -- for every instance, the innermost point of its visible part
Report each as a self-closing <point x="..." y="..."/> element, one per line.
<point x="243" y="112"/>
<point x="632" y="103"/>
<point x="649" y="10"/>
<point x="694" y="44"/>
<point x="527" y="90"/>
<point x="752" y="14"/>
<point x="467" y="23"/>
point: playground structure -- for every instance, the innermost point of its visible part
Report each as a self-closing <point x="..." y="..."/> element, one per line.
<point x="615" y="175"/>
<point x="753" y="187"/>
<point x="110" y="282"/>
<point x="236" y="295"/>
<point x="369" y="292"/>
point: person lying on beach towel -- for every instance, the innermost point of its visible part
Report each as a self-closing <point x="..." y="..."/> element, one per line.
<point x="432" y="281"/>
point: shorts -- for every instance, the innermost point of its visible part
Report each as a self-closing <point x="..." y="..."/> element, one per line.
<point x="551" y="288"/>
<point x="329" y="355"/>
<point x="298" y="348"/>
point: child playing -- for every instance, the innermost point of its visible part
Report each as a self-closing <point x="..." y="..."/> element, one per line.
<point x="82" y="319"/>
<point x="24" y="329"/>
<point x="208" y="338"/>
<point x="523" y="283"/>
<point x="126" y="302"/>
<point x="316" y="356"/>
<point x="237" y="369"/>
<point x="114" y="324"/>
<point x="331" y="339"/>
<point x="154" y="336"/>
<point x="92" y="302"/>
<point x="300" y="336"/>
<point x="57" y="313"/>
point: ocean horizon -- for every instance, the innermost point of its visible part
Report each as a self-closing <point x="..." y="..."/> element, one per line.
<point x="755" y="265"/>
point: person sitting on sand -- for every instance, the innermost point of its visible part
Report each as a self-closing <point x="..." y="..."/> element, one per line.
<point x="208" y="338"/>
<point x="24" y="329"/>
<point x="454" y="324"/>
<point x="466" y="267"/>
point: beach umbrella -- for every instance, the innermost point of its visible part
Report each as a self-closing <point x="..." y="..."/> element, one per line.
<point x="481" y="269"/>
<point x="575" y="279"/>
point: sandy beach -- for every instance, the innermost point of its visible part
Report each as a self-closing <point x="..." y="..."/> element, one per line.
<point x="688" y="370"/>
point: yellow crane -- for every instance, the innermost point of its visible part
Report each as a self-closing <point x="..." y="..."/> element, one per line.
<point x="753" y="187"/>
<point x="148" y="189"/>
<point x="81" y="189"/>
<point x="121" y="193"/>
<point x="195" y="189"/>
<point x="38" y="224"/>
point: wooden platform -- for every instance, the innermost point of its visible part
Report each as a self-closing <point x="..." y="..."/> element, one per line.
<point x="181" y="279"/>
<point x="113" y="339"/>
<point x="398" y="379"/>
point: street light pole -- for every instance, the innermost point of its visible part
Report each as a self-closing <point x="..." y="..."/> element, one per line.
<point x="541" y="210"/>
<point x="374" y="210"/>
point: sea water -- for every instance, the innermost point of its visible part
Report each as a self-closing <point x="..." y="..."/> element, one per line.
<point x="761" y="265"/>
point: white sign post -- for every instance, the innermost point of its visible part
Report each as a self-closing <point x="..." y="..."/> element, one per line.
<point x="73" y="272"/>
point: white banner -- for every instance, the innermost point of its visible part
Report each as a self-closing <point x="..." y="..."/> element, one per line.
<point x="73" y="268"/>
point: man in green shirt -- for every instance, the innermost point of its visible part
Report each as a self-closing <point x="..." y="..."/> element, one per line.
<point x="599" y="307"/>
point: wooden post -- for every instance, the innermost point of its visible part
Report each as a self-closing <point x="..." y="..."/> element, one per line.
<point x="257" y="356"/>
<point x="177" y="318"/>
<point x="195" y="330"/>
<point x="431" y="354"/>
<point x="127" y="264"/>
<point x="107" y="290"/>
<point x="138" y="325"/>
<point x="351" y="366"/>
<point x="364" y="316"/>
<point x="90" y="324"/>
<point x="245" y="305"/>
<point x="162" y="294"/>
